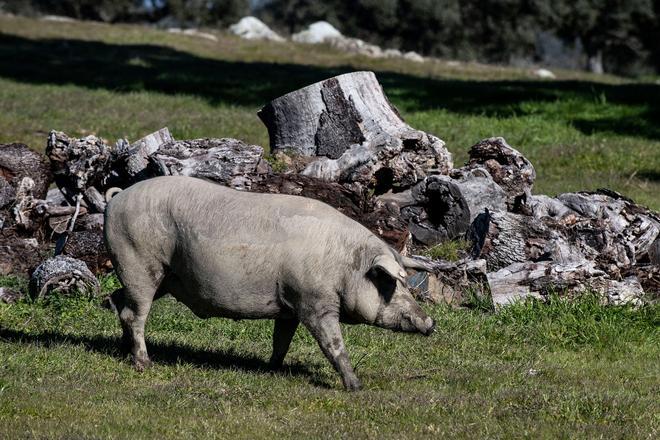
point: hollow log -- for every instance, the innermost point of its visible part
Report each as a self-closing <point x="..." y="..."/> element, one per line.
<point x="64" y="274"/>
<point x="349" y="122"/>
<point x="438" y="212"/>
<point x="228" y="161"/>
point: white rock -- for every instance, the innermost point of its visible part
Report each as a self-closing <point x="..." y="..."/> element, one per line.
<point x="251" y="28"/>
<point x="392" y="53"/>
<point x="197" y="33"/>
<point x="413" y="56"/>
<point x="319" y="32"/>
<point x="355" y="45"/>
<point x="58" y="18"/>
<point x="193" y="33"/>
<point x="544" y="73"/>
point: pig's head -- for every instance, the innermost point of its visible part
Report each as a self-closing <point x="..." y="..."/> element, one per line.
<point x="387" y="302"/>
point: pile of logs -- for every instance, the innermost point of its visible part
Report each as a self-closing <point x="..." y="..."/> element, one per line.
<point x="342" y="142"/>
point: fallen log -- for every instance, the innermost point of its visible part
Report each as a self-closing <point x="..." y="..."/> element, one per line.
<point x="89" y="247"/>
<point x="540" y="279"/>
<point x="81" y="164"/>
<point x="228" y="161"/>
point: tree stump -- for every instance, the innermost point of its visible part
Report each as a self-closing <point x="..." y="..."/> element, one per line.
<point x="350" y="124"/>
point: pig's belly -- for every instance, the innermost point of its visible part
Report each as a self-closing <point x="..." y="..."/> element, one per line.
<point x="226" y="293"/>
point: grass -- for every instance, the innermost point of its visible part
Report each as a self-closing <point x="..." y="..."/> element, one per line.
<point x="577" y="370"/>
<point x="448" y="250"/>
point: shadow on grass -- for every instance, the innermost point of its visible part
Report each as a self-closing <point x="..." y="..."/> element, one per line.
<point x="128" y="68"/>
<point x="164" y="353"/>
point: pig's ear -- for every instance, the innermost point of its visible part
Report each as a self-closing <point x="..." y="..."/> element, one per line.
<point x="389" y="265"/>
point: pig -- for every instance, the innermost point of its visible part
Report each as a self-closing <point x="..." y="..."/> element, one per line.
<point x="242" y="255"/>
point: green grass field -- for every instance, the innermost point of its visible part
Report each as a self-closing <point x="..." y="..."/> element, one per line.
<point x="557" y="370"/>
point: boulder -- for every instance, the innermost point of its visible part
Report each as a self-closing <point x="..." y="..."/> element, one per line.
<point x="251" y="28"/>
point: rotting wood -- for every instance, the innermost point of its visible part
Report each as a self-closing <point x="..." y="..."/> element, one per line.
<point x="66" y="274"/>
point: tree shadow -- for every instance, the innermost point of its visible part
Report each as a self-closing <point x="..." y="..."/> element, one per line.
<point x="146" y="67"/>
<point x="164" y="353"/>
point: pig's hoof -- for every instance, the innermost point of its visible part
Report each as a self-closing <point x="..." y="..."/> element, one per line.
<point x="275" y="364"/>
<point x="352" y="384"/>
<point x="142" y="364"/>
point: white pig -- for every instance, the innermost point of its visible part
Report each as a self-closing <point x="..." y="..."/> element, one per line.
<point x="244" y="255"/>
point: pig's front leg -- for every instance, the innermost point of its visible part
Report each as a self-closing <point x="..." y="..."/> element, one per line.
<point x="325" y="329"/>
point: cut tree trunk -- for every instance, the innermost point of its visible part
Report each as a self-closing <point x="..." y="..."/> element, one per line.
<point x="360" y="137"/>
<point x="65" y="274"/>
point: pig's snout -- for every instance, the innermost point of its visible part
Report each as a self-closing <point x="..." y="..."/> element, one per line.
<point x="430" y="328"/>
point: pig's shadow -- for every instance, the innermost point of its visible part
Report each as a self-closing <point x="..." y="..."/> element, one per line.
<point x="165" y="353"/>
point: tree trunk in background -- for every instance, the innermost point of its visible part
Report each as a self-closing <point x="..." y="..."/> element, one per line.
<point x="595" y="62"/>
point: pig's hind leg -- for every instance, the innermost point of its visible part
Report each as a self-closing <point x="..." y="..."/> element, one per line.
<point x="282" y="334"/>
<point x="133" y="303"/>
<point x="324" y="326"/>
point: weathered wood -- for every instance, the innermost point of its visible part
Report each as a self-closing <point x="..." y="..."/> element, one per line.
<point x="19" y="255"/>
<point x="446" y="282"/>
<point x="539" y="279"/>
<point x="78" y="164"/>
<point x="7" y="193"/>
<point x="95" y="200"/>
<point x="439" y="212"/>
<point x="508" y="168"/>
<point x="228" y="161"/>
<point x="503" y="238"/>
<point x="89" y="247"/>
<point x="479" y="190"/>
<point x="9" y="295"/>
<point x="65" y="274"/>
<point x="18" y="161"/>
<point x="349" y="121"/>
<point x="633" y="225"/>
<point x="137" y="156"/>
